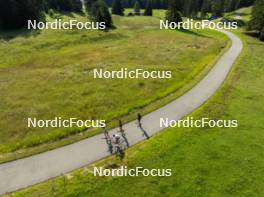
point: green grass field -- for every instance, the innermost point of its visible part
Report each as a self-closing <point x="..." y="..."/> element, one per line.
<point x="47" y="74"/>
<point x="205" y="162"/>
<point x="242" y="16"/>
<point x="244" y="13"/>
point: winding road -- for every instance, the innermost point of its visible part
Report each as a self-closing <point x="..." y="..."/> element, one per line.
<point x="31" y="170"/>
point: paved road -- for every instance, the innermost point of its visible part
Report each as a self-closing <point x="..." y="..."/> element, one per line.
<point x="28" y="171"/>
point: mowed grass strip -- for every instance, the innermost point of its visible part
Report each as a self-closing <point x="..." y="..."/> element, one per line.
<point x="47" y="74"/>
<point x="205" y="162"/>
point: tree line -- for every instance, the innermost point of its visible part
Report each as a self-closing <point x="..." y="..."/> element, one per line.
<point x="64" y="5"/>
<point x="257" y="19"/>
<point x="15" y="13"/>
<point x="201" y="8"/>
<point x="156" y="4"/>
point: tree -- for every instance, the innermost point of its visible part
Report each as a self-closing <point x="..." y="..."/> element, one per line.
<point x="199" y="4"/>
<point x="53" y="4"/>
<point x="148" y="9"/>
<point x="245" y="3"/>
<point x="195" y="8"/>
<point x="77" y="6"/>
<point x="173" y="14"/>
<point x="100" y="13"/>
<point x="131" y="3"/>
<point x="261" y="36"/>
<point x="65" y="5"/>
<point x="156" y="4"/>
<point x="137" y="8"/>
<point x="190" y="8"/>
<point x="205" y="8"/>
<point x="218" y="7"/>
<point x="163" y="4"/>
<point x="257" y="18"/>
<point x="15" y="14"/>
<point x="232" y="5"/>
<point x="125" y="3"/>
<point x="88" y="4"/>
<point x="117" y="8"/>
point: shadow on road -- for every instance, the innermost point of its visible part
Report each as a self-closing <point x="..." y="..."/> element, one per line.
<point x="143" y="131"/>
<point x="126" y="141"/>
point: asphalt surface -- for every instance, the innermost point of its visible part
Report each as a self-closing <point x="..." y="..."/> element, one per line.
<point x="31" y="170"/>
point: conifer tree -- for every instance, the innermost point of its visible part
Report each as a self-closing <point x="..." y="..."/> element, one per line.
<point x="199" y="4"/>
<point x="77" y="6"/>
<point x="245" y="3"/>
<point x="65" y="5"/>
<point x="173" y="14"/>
<point x="131" y="3"/>
<point x="218" y="7"/>
<point x="261" y="36"/>
<point x="52" y="4"/>
<point x="125" y="3"/>
<point x="257" y="18"/>
<point x="148" y="9"/>
<point x="137" y="8"/>
<point x="231" y="5"/>
<point x="191" y="8"/>
<point x="117" y="8"/>
<point x="15" y="14"/>
<point x="88" y="4"/>
<point x="186" y="8"/>
<point x="100" y="13"/>
<point x="194" y="8"/>
<point x="205" y="8"/>
<point x="164" y="4"/>
<point x="156" y="4"/>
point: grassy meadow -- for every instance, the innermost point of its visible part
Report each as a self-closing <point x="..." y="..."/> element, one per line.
<point x="205" y="162"/>
<point x="242" y="13"/>
<point x="47" y="74"/>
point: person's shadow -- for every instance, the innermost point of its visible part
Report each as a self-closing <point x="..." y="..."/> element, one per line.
<point x="109" y="145"/>
<point x="126" y="141"/>
<point x="143" y="130"/>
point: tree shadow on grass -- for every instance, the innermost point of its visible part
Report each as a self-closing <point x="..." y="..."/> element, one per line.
<point x="8" y="35"/>
<point x="193" y="33"/>
<point x="239" y="13"/>
<point x="254" y="34"/>
<point x="60" y="14"/>
<point x="63" y="13"/>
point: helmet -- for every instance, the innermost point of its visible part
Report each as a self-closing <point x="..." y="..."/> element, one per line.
<point x="116" y="136"/>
